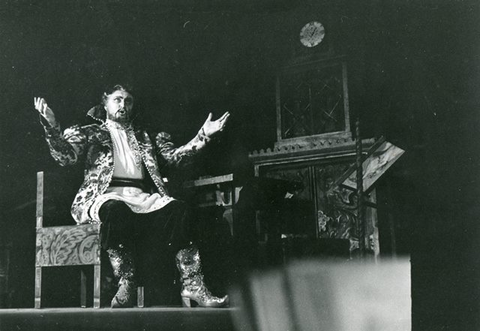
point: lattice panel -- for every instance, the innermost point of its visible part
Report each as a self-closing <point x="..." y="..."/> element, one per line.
<point x="312" y="102"/>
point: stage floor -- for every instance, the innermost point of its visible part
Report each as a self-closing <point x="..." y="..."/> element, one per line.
<point x="144" y="319"/>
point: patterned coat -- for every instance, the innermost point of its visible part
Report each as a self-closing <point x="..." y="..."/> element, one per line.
<point x="94" y="143"/>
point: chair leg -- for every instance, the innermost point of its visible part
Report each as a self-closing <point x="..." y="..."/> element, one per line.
<point x="83" y="289"/>
<point x="140" y="297"/>
<point x="38" y="287"/>
<point x="96" y="286"/>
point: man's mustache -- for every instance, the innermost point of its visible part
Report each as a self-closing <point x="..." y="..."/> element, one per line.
<point x="128" y="115"/>
<point x="121" y="111"/>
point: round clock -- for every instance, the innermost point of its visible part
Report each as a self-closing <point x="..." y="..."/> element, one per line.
<point x="312" y="34"/>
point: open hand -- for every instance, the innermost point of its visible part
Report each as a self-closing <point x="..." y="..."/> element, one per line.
<point x="42" y="107"/>
<point x="211" y="127"/>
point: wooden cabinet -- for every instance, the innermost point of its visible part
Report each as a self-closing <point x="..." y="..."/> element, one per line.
<point x="317" y="209"/>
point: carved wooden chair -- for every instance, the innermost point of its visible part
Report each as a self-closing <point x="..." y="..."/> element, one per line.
<point x="72" y="245"/>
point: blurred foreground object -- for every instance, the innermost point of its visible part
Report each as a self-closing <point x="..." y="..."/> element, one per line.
<point x="315" y="295"/>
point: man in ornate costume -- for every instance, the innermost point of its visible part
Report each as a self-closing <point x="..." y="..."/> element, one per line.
<point x="123" y="190"/>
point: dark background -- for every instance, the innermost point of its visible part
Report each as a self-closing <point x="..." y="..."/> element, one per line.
<point x="413" y="77"/>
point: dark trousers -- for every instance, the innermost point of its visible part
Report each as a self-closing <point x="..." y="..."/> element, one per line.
<point x="152" y="238"/>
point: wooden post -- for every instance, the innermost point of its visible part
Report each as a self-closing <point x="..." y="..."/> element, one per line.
<point x="39" y="212"/>
<point x="140" y="297"/>
<point x="96" y="286"/>
<point x="360" y="226"/>
<point x="38" y="287"/>
<point x="83" y="289"/>
<point x="39" y="224"/>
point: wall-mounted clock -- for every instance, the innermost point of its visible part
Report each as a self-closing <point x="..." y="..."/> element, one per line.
<point x="312" y="34"/>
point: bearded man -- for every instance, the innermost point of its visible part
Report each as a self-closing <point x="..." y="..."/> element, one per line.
<point x="142" y="226"/>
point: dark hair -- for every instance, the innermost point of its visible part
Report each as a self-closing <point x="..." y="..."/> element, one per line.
<point x="117" y="87"/>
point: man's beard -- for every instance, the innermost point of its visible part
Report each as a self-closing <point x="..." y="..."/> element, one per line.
<point x="122" y="116"/>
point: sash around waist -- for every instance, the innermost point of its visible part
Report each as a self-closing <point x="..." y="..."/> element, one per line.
<point x="139" y="183"/>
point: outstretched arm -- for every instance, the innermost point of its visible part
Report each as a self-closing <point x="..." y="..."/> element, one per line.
<point x="45" y="111"/>
<point x="64" y="148"/>
<point x="183" y="154"/>
<point x="212" y="127"/>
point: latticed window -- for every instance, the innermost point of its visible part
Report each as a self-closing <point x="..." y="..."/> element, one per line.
<point x="312" y="101"/>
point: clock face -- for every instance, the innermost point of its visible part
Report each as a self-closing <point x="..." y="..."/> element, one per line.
<point x="312" y="34"/>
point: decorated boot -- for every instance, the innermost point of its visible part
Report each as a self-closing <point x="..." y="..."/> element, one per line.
<point x="191" y="277"/>
<point x="124" y="271"/>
